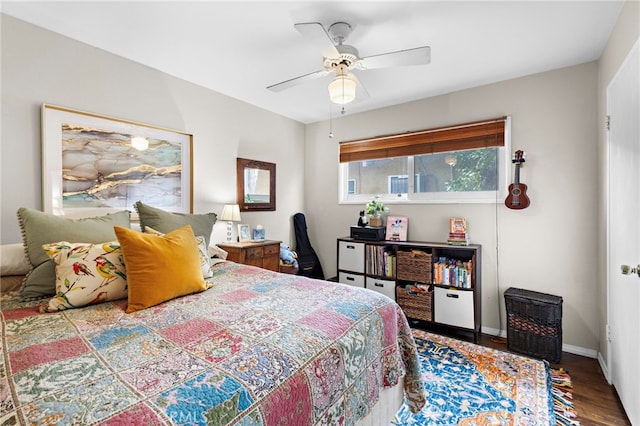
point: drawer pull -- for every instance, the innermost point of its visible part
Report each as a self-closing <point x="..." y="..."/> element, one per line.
<point x="350" y="279"/>
<point x="378" y="284"/>
<point x="272" y="249"/>
<point x="351" y="247"/>
<point x="455" y="296"/>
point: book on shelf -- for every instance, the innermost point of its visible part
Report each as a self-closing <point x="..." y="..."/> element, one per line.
<point x="457" y="225"/>
<point x="381" y="261"/>
<point x="458" y="242"/>
<point x="453" y="272"/>
<point x="458" y="235"/>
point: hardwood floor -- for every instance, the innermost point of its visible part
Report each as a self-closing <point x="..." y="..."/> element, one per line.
<point x="596" y="402"/>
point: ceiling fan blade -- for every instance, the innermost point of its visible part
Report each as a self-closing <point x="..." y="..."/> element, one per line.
<point x="415" y="56"/>
<point x="278" y="87"/>
<point x="317" y="33"/>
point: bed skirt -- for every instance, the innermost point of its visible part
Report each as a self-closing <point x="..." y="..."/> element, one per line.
<point x="386" y="408"/>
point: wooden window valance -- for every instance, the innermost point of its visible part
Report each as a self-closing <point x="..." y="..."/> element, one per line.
<point x="478" y="134"/>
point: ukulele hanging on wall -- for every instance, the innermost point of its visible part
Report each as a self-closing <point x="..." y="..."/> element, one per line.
<point x="517" y="198"/>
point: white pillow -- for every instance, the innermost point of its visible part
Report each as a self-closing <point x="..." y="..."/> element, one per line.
<point x="13" y="260"/>
<point x="216" y="251"/>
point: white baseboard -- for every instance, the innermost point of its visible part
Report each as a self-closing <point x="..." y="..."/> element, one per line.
<point x="494" y="332"/>
<point x="603" y="367"/>
<point x="577" y="350"/>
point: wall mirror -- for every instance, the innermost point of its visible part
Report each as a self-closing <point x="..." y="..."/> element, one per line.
<point x="256" y="182"/>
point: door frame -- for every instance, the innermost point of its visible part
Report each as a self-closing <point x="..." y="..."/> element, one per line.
<point x="611" y="269"/>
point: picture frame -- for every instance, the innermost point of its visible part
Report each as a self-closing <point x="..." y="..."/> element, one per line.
<point x="258" y="234"/>
<point x="95" y="164"/>
<point x="243" y="233"/>
<point x="397" y="228"/>
<point x="255" y="185"/>
<point x="457" y="225"/>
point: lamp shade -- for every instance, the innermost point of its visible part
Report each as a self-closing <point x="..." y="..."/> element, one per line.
<point x="230" y="212"/>
<point x="342" y="89"/>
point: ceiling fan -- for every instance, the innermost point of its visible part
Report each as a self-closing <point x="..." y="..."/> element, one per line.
<point x="341" y="59"/>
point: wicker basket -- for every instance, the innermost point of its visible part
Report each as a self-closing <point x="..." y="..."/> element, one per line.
<point x="286" y="268"/>
<point x="414" y="265"/>
<point x="416" y="305"/>
<point x="534" y="323"/>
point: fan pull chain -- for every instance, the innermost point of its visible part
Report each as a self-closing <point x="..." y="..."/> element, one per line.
<point x="330" y="121"/>
<point x="342" y="112"/>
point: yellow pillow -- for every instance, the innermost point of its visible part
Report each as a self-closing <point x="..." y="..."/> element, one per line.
<point x="205" y="260"/>
<point x="160" y="268"/>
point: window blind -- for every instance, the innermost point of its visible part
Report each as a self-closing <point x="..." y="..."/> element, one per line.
<point x="477" y="134"/>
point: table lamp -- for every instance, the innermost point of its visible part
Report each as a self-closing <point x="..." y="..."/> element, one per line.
<point x="230" y="213"/>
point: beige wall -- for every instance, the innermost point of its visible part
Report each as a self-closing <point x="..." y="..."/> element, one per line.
<point x="39" y="67"/>
<point x="548" y="247"/>
<point x="623" y="37"/>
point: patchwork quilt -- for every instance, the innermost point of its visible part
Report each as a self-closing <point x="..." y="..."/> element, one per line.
<point x="258" y="348"/>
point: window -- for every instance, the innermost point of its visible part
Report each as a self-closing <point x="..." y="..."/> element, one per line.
<point x="351" y="186"/>
<point x="372" y="176"/>
<point x="398" y="184"/>
<point x="462" y="163"/>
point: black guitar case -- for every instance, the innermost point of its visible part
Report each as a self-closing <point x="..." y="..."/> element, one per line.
<point x="308" y="262"/>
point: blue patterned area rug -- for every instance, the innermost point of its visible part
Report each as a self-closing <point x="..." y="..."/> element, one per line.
<point x="468" y="384"/>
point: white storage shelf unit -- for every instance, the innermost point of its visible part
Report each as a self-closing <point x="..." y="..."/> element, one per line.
<point x="451" y="306"/>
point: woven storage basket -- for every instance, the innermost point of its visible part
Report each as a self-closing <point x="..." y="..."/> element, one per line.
<point x="414" y="265"/>
<point x="416" y="306"/>
<point x="534" y="323"/>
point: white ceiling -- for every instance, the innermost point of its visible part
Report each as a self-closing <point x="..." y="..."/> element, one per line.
<point x="239" y="48"/>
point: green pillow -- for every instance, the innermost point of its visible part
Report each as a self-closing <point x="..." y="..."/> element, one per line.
<point x="40" y="228"/>
<point x="165" y="222"/>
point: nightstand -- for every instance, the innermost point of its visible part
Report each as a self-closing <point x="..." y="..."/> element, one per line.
<point x="263" y="254"/>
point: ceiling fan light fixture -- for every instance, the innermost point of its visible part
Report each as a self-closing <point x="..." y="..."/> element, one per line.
<point x="342" y="89"/>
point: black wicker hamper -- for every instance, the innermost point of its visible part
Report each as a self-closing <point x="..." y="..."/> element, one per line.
<point x="534" y="323"/>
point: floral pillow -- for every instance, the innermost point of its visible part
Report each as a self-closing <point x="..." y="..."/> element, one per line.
<point x="205" y="260"/>
<point x="86" y="274"/>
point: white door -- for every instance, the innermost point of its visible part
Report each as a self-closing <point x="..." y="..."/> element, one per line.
<point x="623" y="100"/>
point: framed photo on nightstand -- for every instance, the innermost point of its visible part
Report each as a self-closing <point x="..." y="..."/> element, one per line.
<point x="243" y="233"/>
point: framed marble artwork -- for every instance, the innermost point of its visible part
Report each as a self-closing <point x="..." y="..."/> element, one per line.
<point x="94" y="164"/>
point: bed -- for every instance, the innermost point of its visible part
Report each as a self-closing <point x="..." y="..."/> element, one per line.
<point x="254" y="348"/>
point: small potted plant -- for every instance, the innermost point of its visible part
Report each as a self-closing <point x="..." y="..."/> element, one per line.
<point x="374" y="210"/>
